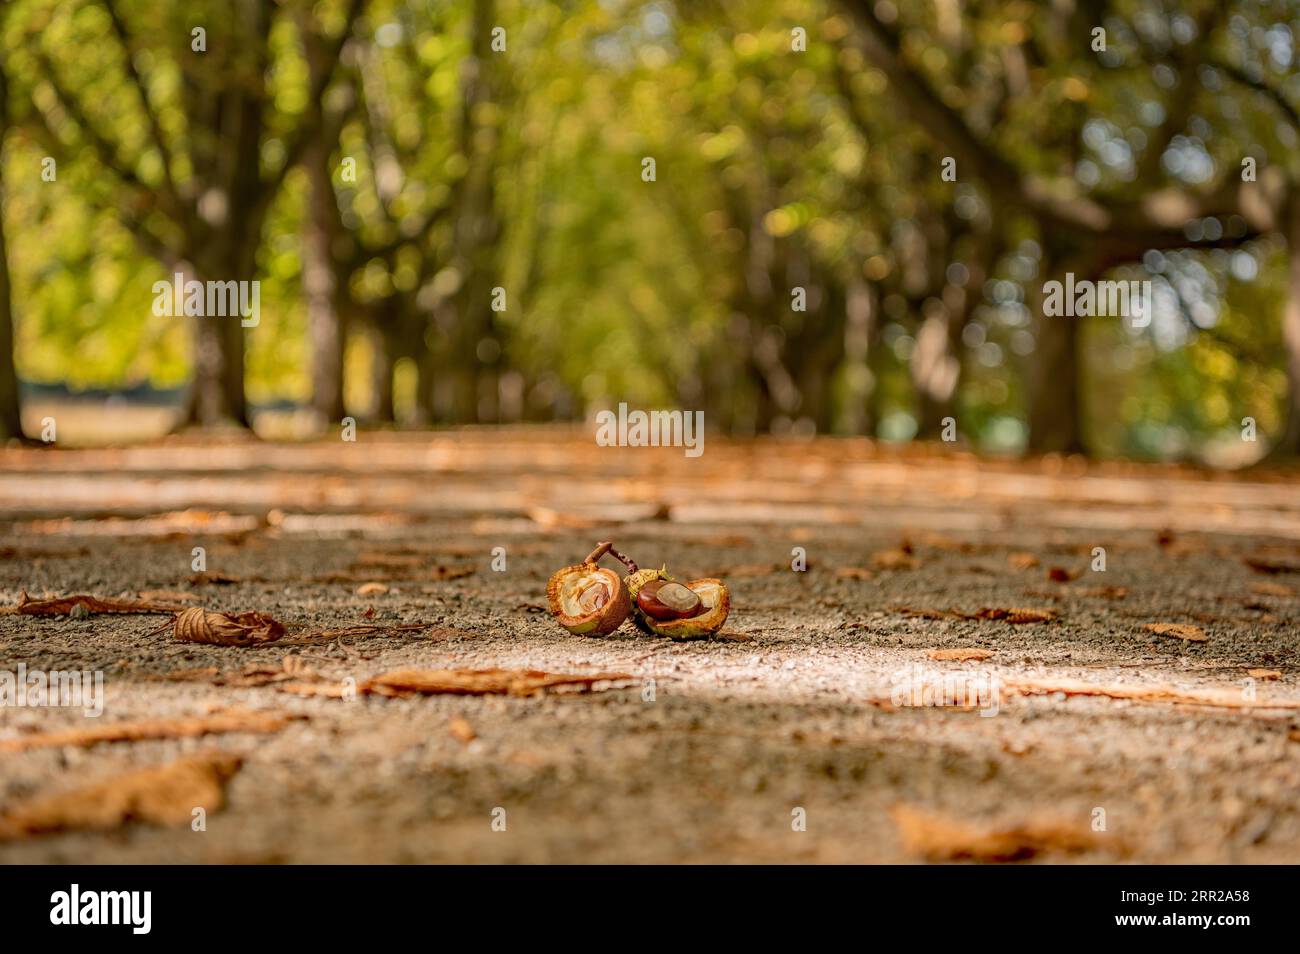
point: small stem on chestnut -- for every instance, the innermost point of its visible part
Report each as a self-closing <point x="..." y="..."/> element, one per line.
<point x="601" y="549"/>
<point x="626" y="561"/>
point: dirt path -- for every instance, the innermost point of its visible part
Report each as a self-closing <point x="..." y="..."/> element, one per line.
<point x="711" y="749"/>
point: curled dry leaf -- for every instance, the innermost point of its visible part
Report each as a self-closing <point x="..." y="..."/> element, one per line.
<point x="480" y="682"/>
<point x="937" y="837"/>
<point x="197" y="625"/>
<point x="1192" y="634"/>
<point x="232" y="720"/>
<point x="958" y="655"/>
<point x="372" y="589"/>
<point x="1016" y="614"/>
<point x="65" y="605"/>
<point x="161" y="795"/>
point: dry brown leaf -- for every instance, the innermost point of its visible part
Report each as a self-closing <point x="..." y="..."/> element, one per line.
<point x="461" y="730"/>
<point x="63" y="605"/>
<point x="899" y="559"/>
<point x="232" y="720"/>
<point x="1059" y="574"/>
<point x="480" y="682"/>
<point x="1022" y="561"/>
<point x="197" y="625"/>
<point x="1270" y="566"/>
<point x="1016" y="614"/>
<point x="1265" y="674"/>
<point x="855" y="573"/>
<point x="958" y="655"/>
<point x="937" y="837"/>
<point x="1184" y="631"/>
<point x="372" y="589"/>
<point x="1221" y="699"/>
<point x="1265" y="588"/>
<point x="161" y="795"/>
<point x="1105" y="592"/>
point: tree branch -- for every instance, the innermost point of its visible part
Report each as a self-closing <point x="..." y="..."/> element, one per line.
<point x="171" y="194"/>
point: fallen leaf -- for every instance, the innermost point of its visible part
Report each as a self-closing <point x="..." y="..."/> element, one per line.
<point x="65" y="605"/>
<point x="1191" y="634"/>
<point x="1016" y="614"/>
<point x="1105" y="592"/>
<point x="160" y="795"/>
<point x="372" y="589"/>
<point x="937" y="837"/>
<point x="1265" y="588"/>
<point x="899" y="559"/>
<point x="958" y="655"/>
<point x="461" y="730"/>
<point x="1022" y="561"/>
<point x="1266" y="674"/>
<point x="479" y="682"/>
<point x="1059" y="574"/>
<point x="232" y="720"/>
<point x="1222" y="699"/>
<point x="1263" y="565"/>
<point x="197" y="625"/>
<point x="855" y="573"/>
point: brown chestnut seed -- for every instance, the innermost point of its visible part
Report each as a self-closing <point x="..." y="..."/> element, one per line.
<point x="664" y="601"/>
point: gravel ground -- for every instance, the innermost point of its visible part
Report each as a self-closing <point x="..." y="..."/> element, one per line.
<point x="710" y="750"/>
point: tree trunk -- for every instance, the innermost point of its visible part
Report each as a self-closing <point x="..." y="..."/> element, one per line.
<point x="1054" y="406"/>
<point x="1289" y="443"/>
<point x="321" y="288"/>
<point x="382" y="363"/>
<point x="217" y="390"/>
<point x="11" y="424"/>
<point x="855" y="415"/>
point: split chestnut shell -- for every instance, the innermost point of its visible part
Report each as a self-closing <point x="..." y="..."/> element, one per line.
<point x="713" y="595"/>
<point x="588" y="599"/>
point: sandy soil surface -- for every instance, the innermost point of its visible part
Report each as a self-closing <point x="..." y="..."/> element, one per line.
<point x="710" y="749"/>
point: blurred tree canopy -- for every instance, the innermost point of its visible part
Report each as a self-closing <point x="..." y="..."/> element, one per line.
<point x="801" y="216"/>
